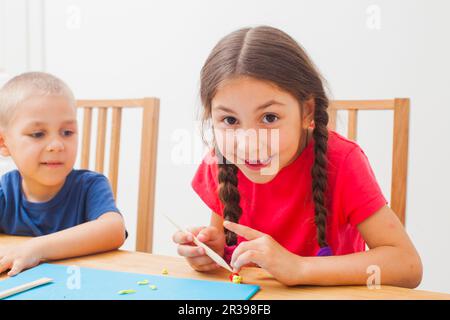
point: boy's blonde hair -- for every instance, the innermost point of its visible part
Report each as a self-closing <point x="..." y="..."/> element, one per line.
<point x="26" y="85"/>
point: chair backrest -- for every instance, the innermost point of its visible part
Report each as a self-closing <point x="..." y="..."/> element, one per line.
<point x="147" y="172"/>
<point x="400" y="140"/>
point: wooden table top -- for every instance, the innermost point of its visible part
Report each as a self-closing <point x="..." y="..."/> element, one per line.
<point x="137" y="262"/>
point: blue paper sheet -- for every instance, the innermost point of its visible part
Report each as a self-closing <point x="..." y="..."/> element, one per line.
<point x="76" y="283"/>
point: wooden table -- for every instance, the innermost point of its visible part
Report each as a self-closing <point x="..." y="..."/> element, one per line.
<point x="137" y="262"/>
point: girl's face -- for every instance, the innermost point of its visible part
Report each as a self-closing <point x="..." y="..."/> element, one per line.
<point x="258" y="127"/>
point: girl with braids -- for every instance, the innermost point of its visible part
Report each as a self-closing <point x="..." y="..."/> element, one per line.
<point x="303" y="206"/>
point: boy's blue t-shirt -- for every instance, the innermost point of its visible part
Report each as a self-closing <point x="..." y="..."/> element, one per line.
<point x="84" y="197"/>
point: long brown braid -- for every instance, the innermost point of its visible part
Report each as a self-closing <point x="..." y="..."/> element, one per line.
<point x="268" y="54"/>
<point x="319" y="172"/>
<point x="230" y="197"/>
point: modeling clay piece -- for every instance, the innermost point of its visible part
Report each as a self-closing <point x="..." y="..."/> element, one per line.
<point x="164" y="271"/>
<point x="128" y="291"/>
<point x="232" y="275"/>
<point x="152" y="286"/>
<point x="143" y="282"/>
<point x="237" y="279"/>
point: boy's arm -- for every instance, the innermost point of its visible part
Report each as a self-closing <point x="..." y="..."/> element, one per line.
<point x="105" y="233"/>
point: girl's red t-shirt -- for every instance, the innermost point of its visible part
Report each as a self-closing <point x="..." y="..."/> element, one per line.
<point x="284" y="209"/>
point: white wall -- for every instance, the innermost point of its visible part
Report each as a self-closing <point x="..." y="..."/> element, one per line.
<point x="121" y="49"/>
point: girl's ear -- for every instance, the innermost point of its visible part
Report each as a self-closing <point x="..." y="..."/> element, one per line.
<point x="308" y="112"/>
<point x="4" y="151"/>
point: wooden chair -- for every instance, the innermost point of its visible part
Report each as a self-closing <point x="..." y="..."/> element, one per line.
<point x="400" y="140"/>
<point x="149" y="135"/>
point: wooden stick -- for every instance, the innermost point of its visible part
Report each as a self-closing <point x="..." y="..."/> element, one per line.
<point x="24" y="287"/>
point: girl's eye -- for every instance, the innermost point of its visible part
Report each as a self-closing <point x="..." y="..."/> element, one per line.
<point x="67" y="133"/>
<point x="230" y="120"/>
<point x="37" y="135"/>
<point x="270" y="118"/>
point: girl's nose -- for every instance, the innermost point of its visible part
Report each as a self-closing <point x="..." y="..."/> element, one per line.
<point x="253" y="144"/>
<point x="247" y="144"/>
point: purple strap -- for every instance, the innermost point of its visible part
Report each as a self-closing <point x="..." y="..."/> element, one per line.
<point x="324" y="251"/>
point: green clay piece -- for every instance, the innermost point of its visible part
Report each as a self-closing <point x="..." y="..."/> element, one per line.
<point x="143" y="282"/>
<point x="128" y="291"/>
<point x="152" y="286"/>
<point x="237" y="279"/>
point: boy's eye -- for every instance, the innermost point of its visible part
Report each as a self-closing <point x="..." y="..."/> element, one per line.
<point x="67" y="133"/>
<point x="36" y="134"/>
<point x="230" y="120"/>
<point x="270" y="118"/>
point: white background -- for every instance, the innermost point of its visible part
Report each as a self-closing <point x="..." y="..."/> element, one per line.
<point x="365" y="49"/>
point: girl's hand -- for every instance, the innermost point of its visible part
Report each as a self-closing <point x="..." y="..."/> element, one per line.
<point x="265" y="252"/>
<point x="196" y="256"/>
<point x="20" y="257"/>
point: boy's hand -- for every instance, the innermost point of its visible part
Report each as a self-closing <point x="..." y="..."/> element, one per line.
<point x="196" y="256"/>
<point x="265" y="252"/>
<point x="19" y="257"/>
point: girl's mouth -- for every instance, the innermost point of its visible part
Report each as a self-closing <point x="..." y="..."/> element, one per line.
<point x="257" y="164"/>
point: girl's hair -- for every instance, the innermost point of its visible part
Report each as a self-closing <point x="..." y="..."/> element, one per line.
<point x="26" y="85"/>
<point x="269" y="54"/>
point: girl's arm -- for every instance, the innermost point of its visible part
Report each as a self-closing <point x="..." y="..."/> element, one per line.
<point x="391" y="252"/>
<point x="213" y="236"/>
<point x="105" y="233"/>
<point x="217" y="223"/>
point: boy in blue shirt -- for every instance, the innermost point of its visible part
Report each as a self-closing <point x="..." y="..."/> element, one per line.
<point x="67" y="212"/>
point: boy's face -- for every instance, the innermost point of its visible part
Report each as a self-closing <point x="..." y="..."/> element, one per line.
<point x="42" y="139"/>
